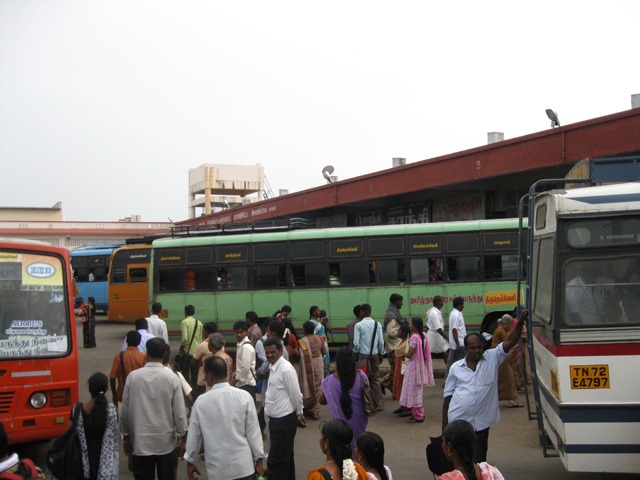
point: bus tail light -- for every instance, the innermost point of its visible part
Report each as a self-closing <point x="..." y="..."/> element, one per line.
<point x="60" y="398"/>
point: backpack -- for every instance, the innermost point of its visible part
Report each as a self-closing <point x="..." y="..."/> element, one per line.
<point x="26" y="470"/>
<point x="64" y="459"/>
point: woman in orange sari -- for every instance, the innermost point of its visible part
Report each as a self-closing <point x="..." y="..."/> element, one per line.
<point x="335" y="444"/>
<point x="312" y="348"/>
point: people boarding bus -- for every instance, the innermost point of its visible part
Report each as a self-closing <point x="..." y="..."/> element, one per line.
<point x="38" y="349"/>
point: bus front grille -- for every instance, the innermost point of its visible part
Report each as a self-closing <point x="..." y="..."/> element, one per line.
<point x="6" y="399"/>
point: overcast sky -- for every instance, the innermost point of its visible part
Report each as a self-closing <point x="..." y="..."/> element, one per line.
<point x="106" y="105"/>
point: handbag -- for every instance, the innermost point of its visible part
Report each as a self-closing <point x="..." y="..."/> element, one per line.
<point x="64" y="459"/>
<point x="370" y="404"/>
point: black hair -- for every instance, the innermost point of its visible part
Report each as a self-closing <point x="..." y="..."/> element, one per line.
<point x="285" y="308"/>
<point x="474" y="334"/>
<point x="167" y="354"/>
<point x="98" y="385"/>
<point x="91" y="301"/>
<point x="216" y="366"/>
<point x="156" y="348"/>
<point x="241" y="325"/>
<point x="210" y="327"/>
<point x="277" y="327"/>
<point x="286" y="321"/>
<point x="251" y="317"/>
<point x="356" y="310"/>
<point x="462" y="437"/>
<point x="371" y="446"/>
<point x="189" y="310"/>
<point x="156" y="308"/>
<point x="309" y="327"/>
<point x="418" y="325"/>
<point x="365" y="307"/>
<point x="273" y="341"/>
<point x="458" y="302"/>
<point x="404" y="328"/>
<point x="339" y="434"/>
<point x="346" y="367"/>
<point x="438" y="299"/>
<point x="133" y="338"/>
<point x="142" y="324"/>
<point x="312" y="309"/>
<point x="395" y="297"/>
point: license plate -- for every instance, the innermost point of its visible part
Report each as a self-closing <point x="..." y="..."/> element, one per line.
<point x="589" y="376"/>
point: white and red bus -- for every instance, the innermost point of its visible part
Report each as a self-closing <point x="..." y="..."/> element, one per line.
<point x="585" y="312"/>
<point x="38" y="349"/>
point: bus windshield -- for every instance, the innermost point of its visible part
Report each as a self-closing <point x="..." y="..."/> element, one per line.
<point x="33" y="310"/>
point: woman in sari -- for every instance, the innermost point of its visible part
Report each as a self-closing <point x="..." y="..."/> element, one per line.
<point x="315" y="316"/>
<point x="506" y="379"/>
<point x="335" y="442"/>
<point x="418" y="373"/>
<point x="312" y="348"/>
<point x="342" y="391"/>
<point x="399" y="368"/>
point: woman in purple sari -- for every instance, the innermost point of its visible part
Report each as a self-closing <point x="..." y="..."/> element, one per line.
<point x="347" y="406"/>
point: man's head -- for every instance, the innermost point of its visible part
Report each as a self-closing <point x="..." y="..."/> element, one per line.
<point x="156" y="348"/>
<point x="133" y="338"/>
<point x="438" y="302"/>
<point x="273" y="349"/>
<point x="473" y="346"/>
<point x="216" y="342"/>
<point x="458" y="303"/>
<point x="396" y="300"/>
<point x="356" y="310"/>
<point x="78" y="301"/>
<point x="240" y="330"/>
<point x="365" y="310"/>
<point x="209" y="328"/>
<point x="215" y="370"/>
<point x="251" y="318"/>
<point x="275" y="329"/>
<point x="189" y="311"/>
<point x="142" y="324"/>
<point x="156" y="308"/>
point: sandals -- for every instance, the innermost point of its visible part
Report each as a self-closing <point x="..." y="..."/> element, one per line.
<point x="405" y="414"/>
<point x="415" y="420"/>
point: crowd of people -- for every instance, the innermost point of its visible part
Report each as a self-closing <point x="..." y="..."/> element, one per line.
<point x="277" y="382"/>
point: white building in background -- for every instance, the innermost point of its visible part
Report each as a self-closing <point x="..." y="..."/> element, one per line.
<point x="216" y="187"/>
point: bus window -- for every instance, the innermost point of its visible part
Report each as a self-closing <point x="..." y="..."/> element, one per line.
<point x="307" y="275"/>
<point x="235" y="278"/>
<point x="354" y="273"/>
<point x="119" y="274"/>
<point x="269" y="276"/>
<point x="463" y="269"/>
<point x="501" y="267"/>
<point x="543" y="283"/>
<point x="435" y="270"/>
<point x="138" y="275"/>
<point x="419" y="270"/>
<point x="387" y="272"/>
<point x="170" y="280"/>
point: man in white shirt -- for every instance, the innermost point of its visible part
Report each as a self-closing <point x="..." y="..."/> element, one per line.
<point x="457" y="332"/>
<point x="245" y="377"/>
<point x="157" y="326"/>
<point x="366" y="333"/>
<point x="438" y="340"/>
<point x="153" y="416"/>
<point x="145" y="336"/>
<point x="232" y="440"/>
<point x="283" y="407"/>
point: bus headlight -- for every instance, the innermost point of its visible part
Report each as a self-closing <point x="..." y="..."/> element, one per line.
<point x="38" y="400"/>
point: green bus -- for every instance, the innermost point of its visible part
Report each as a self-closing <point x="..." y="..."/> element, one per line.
<point x="338" y="268"/>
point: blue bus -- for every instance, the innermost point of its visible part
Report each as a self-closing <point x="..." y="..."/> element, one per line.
<point x="90" y="265"/>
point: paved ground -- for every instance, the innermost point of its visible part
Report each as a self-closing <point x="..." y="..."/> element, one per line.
<point x="513" y="443"/>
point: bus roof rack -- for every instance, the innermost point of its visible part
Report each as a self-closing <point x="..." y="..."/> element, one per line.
<point x="259" y="226"/>
<point x="95" y="246"/>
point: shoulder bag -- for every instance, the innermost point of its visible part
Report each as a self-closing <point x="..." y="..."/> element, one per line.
<point x="364" y="363"/>
<point x="64" y="459"/>
<point x="182" y="360"/>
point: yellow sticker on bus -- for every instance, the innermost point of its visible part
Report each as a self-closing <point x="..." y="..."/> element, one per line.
<point x="589" y="376"/>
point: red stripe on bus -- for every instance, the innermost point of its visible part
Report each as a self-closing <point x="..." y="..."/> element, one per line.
<point x="587" y="349"/>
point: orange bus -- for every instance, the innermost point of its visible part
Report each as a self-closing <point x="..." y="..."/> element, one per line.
<point x="38" y="349"/>
<point x="129" y="282"/>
